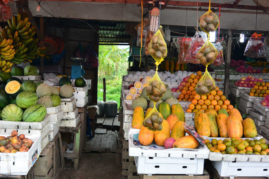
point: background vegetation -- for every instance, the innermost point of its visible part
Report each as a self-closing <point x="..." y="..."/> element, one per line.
<point x="113" y="64"/>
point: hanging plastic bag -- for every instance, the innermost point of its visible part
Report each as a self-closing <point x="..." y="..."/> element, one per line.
<point x="156" y="88"/>
<point x="185" y="47"/>
<point x="157" y="47"/>
<point x="205" y="84"/>
<point x="153" y="120"/>
<point x="209" y="21"/>
<point x="219" y="60"/>
<point x="255" y="47"/>
<point x="196" y="44"/>
<point x="207" y="54"/>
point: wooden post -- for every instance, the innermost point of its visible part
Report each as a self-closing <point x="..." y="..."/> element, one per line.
<point x="227" y="63"/>
<point x="104" y="87"/>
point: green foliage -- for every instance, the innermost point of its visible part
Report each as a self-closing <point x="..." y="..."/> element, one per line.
<point x="113" y="64"/>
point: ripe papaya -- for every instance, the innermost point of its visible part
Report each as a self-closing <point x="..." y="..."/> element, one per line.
<point x="213" y="124"/>
<point x="203" y="127"/>
<point x="164" y="109"/>
<point x="222" y="124"/>
<point x="178" y="111"/>
<point x="138" y="118"/>
<point x="186" y="142"/>
<point x="234" y="125"/>
<point x="172" y="120"/>
<point x="178" y="130"/>
<point x="249" y="128"/>
<point x="223" y="111"/>
<point x="236" y="113"/>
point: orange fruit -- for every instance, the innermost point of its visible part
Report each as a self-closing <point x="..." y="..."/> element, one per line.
<point x="224" y="106"/>
<point x="214" y="102"/>
<point x="251" y="94"/>
<point x="219" y="93"/>
<point x="189" y="110"/>
<point x="227" y="102"/>
<point x="201" y="102"/>
<point x="221" y="147"/>
<point x="220" y="142"/>
<point x="223" y="98"/>
<point x="191" y="88"/>
<point x="191" y="106"/>
<point x="210" y="107"/>
<point x="217" y="97"/>
<point x="207" y="102"/>
<point x="199" y="73"/>
<point x="192" y="75"/>
<point x="220" y="102"/>
<point x="203" y="97"/>
<point x="230" y="107"/>
<point x="197" y="97"/>
<point x="210" y="97"/>
<point x="204" y="107"/>
<point x="213" y="92"/>
<point x="198" y="106"/>
<point x="217" y="107"/>
<point x="194" y="101"/>
<point x="217" y="88"/>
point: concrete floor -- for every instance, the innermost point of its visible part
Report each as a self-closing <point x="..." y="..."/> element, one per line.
<point x="95" y="166"/>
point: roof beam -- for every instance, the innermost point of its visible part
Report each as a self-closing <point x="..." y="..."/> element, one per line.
<point x="236" y="2"/>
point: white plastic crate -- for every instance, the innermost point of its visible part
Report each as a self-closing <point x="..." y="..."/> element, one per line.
<point x="55" y="117"/>
<point x="165" y="165"/>
<point x="128" y="118"/>
<point x="68" y="106"/>
<point x="67" y="99"/>
<point x="127" y="104"/>
<point x="81" y="102"/>
<point x="54" y="129"/>
<point x="127" y="111"/>
<point x="126" y="128"/>
<point x="70" y="115"/>
<point x="70" y="122"/>
<point x="30" y="77"/>
<point x="53" y="110"/>
<point x="21" y="162"/>
<point x="24" y="125"/>
<point x="242" y="169"/>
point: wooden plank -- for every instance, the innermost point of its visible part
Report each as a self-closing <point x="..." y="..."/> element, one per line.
<point x="227" y="64"/>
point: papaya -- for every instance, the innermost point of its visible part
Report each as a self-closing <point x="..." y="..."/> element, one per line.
<point x="162" y="135"/>
<point x="222" y="124"/>
<point x="172" y="120"/>
<point x="178" y="130"/>
<point x="138" y="117"/>
<point x="213" y="124"/>
<point x="145" y="136"/>
<point x="178" y="111"/>
<point x="249" y="127"/>
<point x="234" y="126"/>
<point x="186" y="142"/>
<point x="148" y="111"/>
<point x="203" y="127"/>
<point x="223" y="111"/>
<point x="164" y="109"/>
<point x="236" y="113"/>
<point x="196" y="121"/>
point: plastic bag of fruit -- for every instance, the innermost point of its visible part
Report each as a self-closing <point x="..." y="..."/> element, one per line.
<point x="184" y="48"/>
<point x="207" y="54"/>
<point x="156" y="88"/>
<point x="153" y="120"/>
<point x="206" y="84"/>
<point x="219" y="60"/>
<point x="209" y="21"/>
<point x="255" y="47"/>
<point x="157" y="47"/>
<point x="196" y="43"/>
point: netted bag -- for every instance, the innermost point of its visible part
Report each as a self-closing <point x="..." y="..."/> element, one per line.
<point x="153" y="120"/>
<point x="206" y="84"/>
<point x="157" y="47"/>
<point x="219" y="60"/>
<point x="156" y="88"/>
<point x="207" y="54"/>
<point x="209" y="21"/>
<point x="255" y="47"/>
<point x="196" y="44"/>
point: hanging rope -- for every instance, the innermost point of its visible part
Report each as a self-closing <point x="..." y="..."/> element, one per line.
<point x="141" y="31"/>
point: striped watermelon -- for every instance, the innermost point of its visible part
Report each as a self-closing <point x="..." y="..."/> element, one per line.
<point x="35" y="113"/>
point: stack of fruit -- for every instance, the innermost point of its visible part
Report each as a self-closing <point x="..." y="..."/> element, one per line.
<point x="224" y="124"/>
<point x="15" y="143"/>
<point x="26" y="71"/>
<point x="238" y="146"/>
<point x="187" y="87"/>
<point x="261" y="89"/>
<point x="213" y="100"/>
<point x="248" y="82"/>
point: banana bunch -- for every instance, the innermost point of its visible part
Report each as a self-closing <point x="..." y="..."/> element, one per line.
<point x="7" y="50"/>
<point x="5" y="65"/>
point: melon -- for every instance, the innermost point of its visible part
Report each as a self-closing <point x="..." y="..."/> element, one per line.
<point x="45" y="101"/>
<point x="26" y="99"/>
<point x="29" y="86"/>
<point x="12" y="113"/>
<point x="34" y="113"/>
<point x="43" y="90"/>
<point x="66" y="91"/>
<point x="56" y="100"/>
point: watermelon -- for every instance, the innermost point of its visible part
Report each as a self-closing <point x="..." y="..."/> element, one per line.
<point x="4" y="76"/>
<point x="56" y="100"/>
<point x="64" y="81"/>
<point x="13" y="87"/>
<point x="16" y="71"/>
<point x="80" y="82"/>
<point x="35" y="113"/>
<point x="31" y="70"/>
<point x="4" y="100"/>
<point x="26" y="99"/>
<point x="29" y="86"/>
<point x="12" y="113"/>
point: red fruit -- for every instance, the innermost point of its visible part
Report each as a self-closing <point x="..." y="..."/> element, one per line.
<point x="22" y="136"/>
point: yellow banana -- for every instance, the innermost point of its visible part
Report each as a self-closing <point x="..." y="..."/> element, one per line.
<point x="3" y="43"/>
<point x="5" y="48"/>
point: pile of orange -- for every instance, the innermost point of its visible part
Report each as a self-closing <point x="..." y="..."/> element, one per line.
<point x="213" y="100"/>
<point x="187" y="88"/>
<point x="261" y="89"/>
